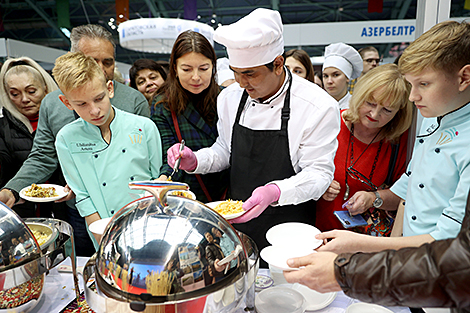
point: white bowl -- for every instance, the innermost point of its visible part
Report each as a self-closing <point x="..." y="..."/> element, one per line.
<point x="294" y="233"/>
<point x="98" y="227"/>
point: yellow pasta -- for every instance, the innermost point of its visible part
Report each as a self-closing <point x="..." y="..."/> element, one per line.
<point x="229" y="207"/>
<point x="40" y="192"/>
<point x="40" y="236"/>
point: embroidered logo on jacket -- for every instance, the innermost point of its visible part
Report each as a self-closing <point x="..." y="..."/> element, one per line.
<point x="447" y="136"/>
<point x="136" y="136"/>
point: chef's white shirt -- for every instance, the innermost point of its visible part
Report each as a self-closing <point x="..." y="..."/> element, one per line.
<point x="344" y="101"/>
<point x="312" y="130"/>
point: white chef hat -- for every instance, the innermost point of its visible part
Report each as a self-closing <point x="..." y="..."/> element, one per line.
<point x="345" y="58"/>
<point x="254" y="40"/>
<point x="223" y="71"/>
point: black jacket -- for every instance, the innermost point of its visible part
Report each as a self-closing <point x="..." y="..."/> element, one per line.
<point x="15" y="144"/>
<point x="433" y="275"/>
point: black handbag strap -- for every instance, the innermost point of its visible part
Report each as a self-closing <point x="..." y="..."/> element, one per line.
<point x="391" y="165"/>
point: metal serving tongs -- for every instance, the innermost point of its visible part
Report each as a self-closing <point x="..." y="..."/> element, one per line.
<point x="177" y="163"/>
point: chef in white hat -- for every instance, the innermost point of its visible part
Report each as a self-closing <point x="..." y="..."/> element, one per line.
<point x="342" y="64"/>
<point x="277" y="131"/>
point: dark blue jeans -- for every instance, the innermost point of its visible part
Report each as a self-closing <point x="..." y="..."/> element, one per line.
<point x="83" y="244"/>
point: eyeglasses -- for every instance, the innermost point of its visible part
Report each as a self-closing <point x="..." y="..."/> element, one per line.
<point x="373" y="60"/>
<point x="360" y="177"/>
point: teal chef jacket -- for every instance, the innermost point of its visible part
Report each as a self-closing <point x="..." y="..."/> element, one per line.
<point x="99" y="173"/>
<point x="437" y="180"/>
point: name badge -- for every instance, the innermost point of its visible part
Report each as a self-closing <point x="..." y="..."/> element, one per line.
<point x="84" y="146"/>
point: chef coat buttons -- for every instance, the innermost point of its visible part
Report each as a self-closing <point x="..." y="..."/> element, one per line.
<point x="253" y="104"/>
<point x="123" y="150"/>
<point x="437" y="150"/>
<point x="421" y="140"/>
<point x="132" y="177"/>
<point x="421" y="186"/>
<point x="112" y="212"/>
<point x="96" y="156"/>
<point x="413" y="217"/>
<point x="404" y="202"/>
<point x="104" y="184"/>
<point x="409" y="173"/>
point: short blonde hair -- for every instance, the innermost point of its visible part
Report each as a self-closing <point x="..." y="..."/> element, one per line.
<point x="445" y="47"/>
<point x="384" y="84"/>
<point x="74" y="69"/>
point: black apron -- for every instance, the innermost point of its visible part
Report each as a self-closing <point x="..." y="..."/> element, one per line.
<point x="258" y="157"/>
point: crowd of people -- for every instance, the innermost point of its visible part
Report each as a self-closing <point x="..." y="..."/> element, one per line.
<point x="263" y="127"/>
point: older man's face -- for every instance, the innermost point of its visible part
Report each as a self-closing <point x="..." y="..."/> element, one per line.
<point x="103" y="53"/>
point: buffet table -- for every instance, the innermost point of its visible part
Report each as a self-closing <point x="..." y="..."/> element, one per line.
<point x="59" y="293"/>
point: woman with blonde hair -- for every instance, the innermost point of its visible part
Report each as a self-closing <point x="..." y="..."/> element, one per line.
<point x="372" y="147"/>
<point x="24" y="83"/>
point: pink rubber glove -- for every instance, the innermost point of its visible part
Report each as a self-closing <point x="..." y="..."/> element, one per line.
<point x="188" y="158"/>
<point x="258" y="202"/>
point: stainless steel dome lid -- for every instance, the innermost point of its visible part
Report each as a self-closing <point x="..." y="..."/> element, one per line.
<point x="155" y="249"/>
<point x="17" y="244"/>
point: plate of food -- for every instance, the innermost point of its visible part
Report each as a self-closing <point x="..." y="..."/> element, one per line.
<point x="229" y="209"/>
<point x="183" y="193"/>
<point x="43" y="192"/>
<point x="292" y="233"/>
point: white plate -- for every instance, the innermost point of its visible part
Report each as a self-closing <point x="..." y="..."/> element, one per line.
<point x="279" y="300"/>
<point x="315" y="300"/>
<point x="98" y="227"/>
<point x="277" y="256"/>
<point x="58" y="189"/>
<point x="362" y="307"/>
<point x="212" y="205"/>
<point x="291" y="233"/>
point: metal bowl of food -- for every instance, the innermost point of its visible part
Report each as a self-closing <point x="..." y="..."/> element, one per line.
<point x="45" y="234"/>
<point x="22" y="266"/>
<point x="159" y="253"/>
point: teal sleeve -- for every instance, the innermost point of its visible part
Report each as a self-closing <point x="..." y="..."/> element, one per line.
<point x="73" y="177"/>
<point x="154" y="144"/>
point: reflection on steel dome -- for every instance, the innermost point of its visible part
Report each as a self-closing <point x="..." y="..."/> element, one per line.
<point x="157" y="35"/>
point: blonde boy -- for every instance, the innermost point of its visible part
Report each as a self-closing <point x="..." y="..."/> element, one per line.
<point x="106" y="148"/>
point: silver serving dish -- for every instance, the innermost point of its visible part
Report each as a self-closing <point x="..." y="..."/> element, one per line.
<point x="22" y="267"/>
<point x="153" y="258"/>
<point x="24" y="262"/>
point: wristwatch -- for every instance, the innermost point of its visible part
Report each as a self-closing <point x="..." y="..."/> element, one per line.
<point x="378" y="201"/>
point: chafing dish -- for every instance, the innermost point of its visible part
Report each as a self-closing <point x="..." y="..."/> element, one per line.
<point x="153" y="257"/>
<point x="24" y="262"/>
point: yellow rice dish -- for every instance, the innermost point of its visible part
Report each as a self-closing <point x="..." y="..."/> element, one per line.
<point x="229" y="207"/>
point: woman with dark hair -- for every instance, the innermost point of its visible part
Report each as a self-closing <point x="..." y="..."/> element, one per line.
<point x="298" y="62"/>
<point x="147" y="76"/>
<point x="185" y="108"/>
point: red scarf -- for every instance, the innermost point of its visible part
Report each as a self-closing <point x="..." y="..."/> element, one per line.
<point x="34" y="121"/>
